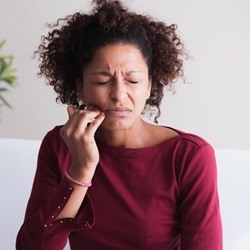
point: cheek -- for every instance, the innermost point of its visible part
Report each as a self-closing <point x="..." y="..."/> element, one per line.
<point x="95" y="97"/>
<point x="141" y="94"/>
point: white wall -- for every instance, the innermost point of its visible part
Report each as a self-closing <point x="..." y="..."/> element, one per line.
<point x="214" y="104"/>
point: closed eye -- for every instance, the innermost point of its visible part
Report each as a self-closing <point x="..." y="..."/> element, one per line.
<point x="102" y="83"/>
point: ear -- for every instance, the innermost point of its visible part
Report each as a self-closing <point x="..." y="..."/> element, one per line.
<point x="149" y="88"/>
<point x="79" y="89"/>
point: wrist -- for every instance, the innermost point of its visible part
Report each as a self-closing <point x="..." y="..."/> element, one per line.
<point x="84" y="174"/>
<point x="76" y="181"/>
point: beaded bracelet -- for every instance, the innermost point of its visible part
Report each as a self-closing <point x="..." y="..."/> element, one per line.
<point x="81" y="183"/>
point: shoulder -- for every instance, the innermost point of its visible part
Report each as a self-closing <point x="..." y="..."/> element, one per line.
<point x="193" y="140"/>
<point x="172" y="135"/>
<point x="54" y="145"/>
<point x="55" y="130"/>
<point x="52" y="139"/>
<point x="196" y="146"/>
<point x="192" y="155"/>
<point x="53" y="133"/>
<point x="190" y="139"/>
<point x="186" y="146"/>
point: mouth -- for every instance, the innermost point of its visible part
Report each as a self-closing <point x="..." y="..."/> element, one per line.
<point x="118" y="112"/>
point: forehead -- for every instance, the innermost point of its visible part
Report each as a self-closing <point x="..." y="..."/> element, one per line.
<point x="118" y="56"/>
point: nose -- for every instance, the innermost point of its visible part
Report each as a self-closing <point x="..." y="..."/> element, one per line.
<point x="119" y="90"/>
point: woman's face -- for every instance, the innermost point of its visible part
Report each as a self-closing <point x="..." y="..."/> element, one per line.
<point x="116" y="80"/>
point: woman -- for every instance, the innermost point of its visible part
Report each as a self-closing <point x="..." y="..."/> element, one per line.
<point x="107" y="179"/>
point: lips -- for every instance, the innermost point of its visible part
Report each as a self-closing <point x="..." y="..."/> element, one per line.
<point x="118" y="111"/>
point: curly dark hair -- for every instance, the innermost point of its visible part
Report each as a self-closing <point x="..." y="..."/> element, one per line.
<point x="70" y="46"/>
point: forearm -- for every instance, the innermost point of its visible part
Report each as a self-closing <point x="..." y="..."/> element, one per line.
<point x="41" y="225"/>
<point x="74" y="203"/>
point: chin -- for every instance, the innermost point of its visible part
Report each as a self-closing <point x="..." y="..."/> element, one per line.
<point x="115" y="125"/>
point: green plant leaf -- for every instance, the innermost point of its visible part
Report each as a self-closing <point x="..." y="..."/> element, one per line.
<point x="3" y="65"/>
<point x="2" y="43"/>
<point x="4" y="90"/>
<point x="11" y="70"/>
<point x="7" y="75"/>
<point x="7" y="56"/>
<point x="11" y="80"/>
<point x="5" y="102"/>
<point x="8" y="70"/>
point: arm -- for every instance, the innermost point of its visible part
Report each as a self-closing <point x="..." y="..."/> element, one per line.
<point x="199" y="204"/>
<point x="56" y="205"/>
<point x="42" y="227"/>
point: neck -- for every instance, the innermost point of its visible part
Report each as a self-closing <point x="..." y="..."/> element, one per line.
<point x="125" y="137"/>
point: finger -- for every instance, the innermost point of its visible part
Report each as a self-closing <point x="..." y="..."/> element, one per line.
<point x="81" y="118"/>
<point x="92" y="113"/>
<point x="73" y="116"/>
<point x="84" y="119"/>
<point x="71" y="110"/>
<point x="70" y="125"/>
<point x="95" y="124"/>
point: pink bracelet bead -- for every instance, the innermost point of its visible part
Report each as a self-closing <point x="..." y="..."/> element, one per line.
<point x="81" y="183"/>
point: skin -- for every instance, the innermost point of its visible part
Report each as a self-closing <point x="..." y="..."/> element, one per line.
<point x="124" y="74"/>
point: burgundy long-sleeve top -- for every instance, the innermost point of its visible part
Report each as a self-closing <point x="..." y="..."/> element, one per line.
<point x="154" y="198"/>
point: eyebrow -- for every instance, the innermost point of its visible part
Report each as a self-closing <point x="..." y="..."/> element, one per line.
<point x="107" y="73"/>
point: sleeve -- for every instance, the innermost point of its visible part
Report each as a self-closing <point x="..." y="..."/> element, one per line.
<point x="49" y="195"/>
<point x="199" y="203"/>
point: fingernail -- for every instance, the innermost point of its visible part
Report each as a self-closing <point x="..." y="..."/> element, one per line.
<point x="95" y="108"/>
<point x="90" y="107"/>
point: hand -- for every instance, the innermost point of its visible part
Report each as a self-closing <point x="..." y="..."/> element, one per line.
<point x="79" y="137"/>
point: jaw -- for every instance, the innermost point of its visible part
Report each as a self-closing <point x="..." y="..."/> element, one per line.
<point x="114" y="125"/>
<point x="117" y="123"/>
